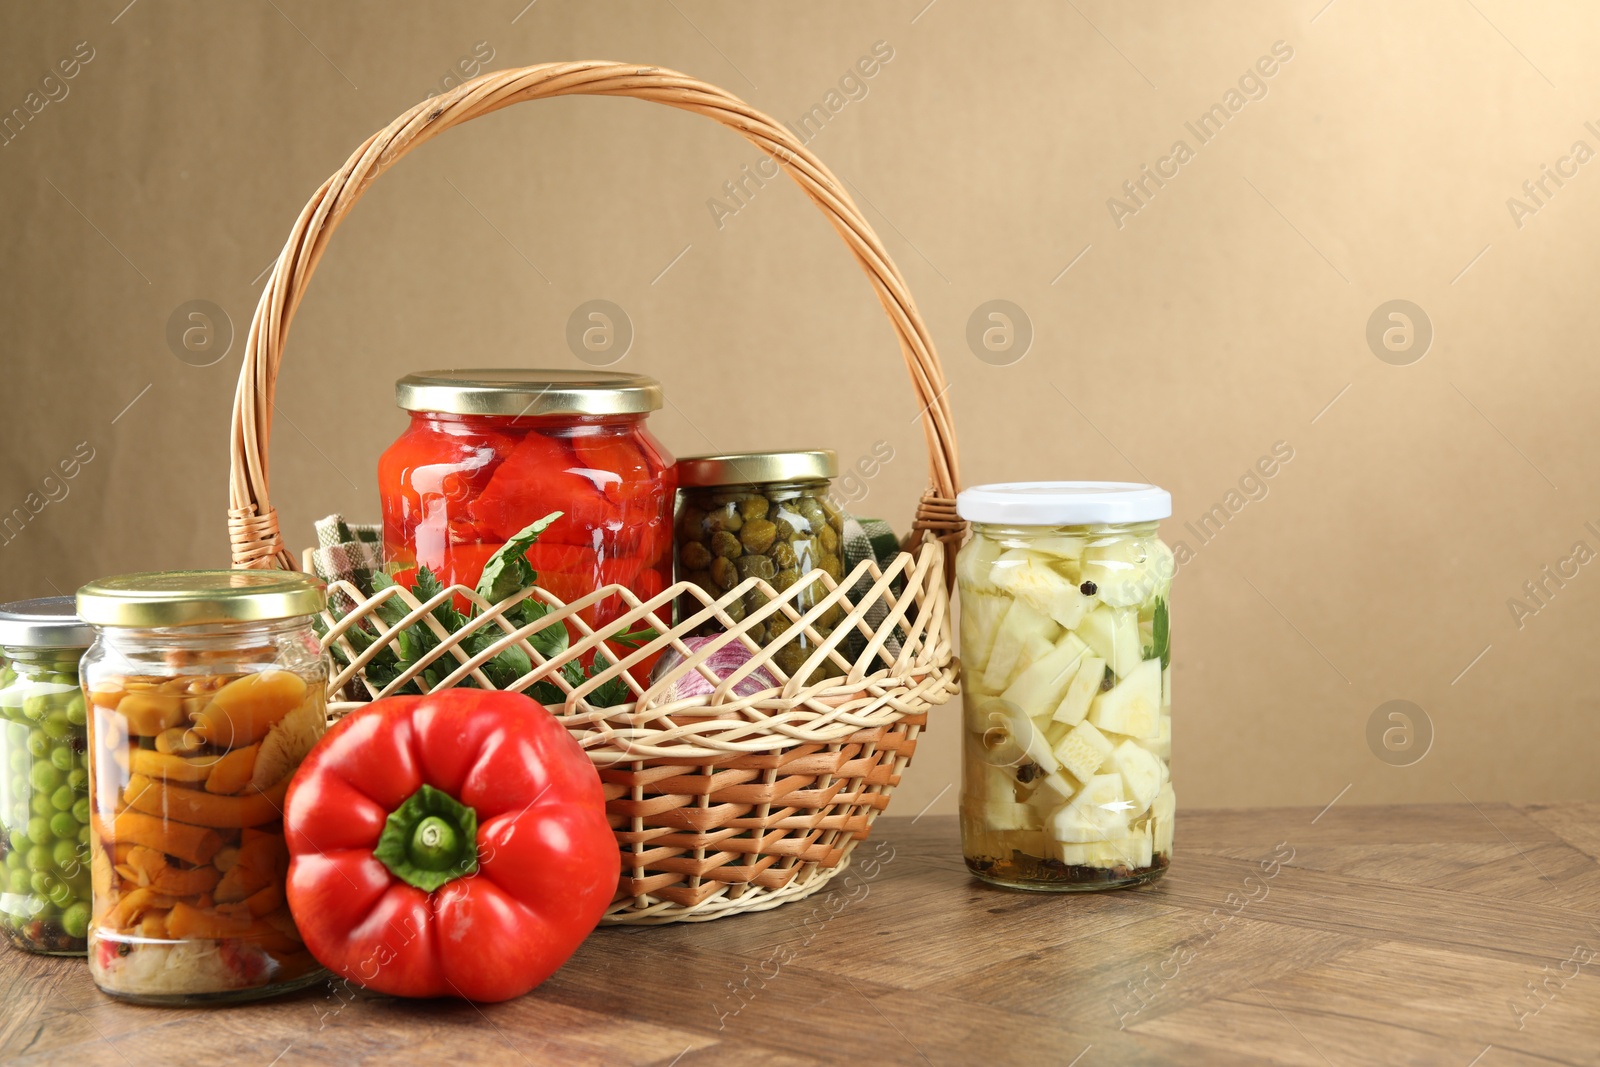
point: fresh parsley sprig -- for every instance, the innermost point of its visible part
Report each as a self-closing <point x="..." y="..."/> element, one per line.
<point x="507" y="574"/>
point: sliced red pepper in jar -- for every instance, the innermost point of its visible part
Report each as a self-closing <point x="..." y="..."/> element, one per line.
<point x="429" y="463"/>
<point x="620" y="459"/>
<point x="461" y="565"/>
<point x="539" y="476"/>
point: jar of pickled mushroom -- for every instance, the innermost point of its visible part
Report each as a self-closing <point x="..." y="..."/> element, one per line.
<point x="205" y="691"/>
<point x="1066" y="653"/>
<point x="44" y="794"/>
<point x="489" y="452"/>
<point x="768" y="516"/>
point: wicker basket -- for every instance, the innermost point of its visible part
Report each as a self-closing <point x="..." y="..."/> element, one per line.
<point x="721" y="803"/>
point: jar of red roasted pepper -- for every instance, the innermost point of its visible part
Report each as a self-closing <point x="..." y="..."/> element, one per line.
<point x="488" y="452"/>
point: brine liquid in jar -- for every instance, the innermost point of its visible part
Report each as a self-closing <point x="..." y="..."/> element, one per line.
<point x="1066" y="651"/>
<point x="205" y="691"/>
<point x="764" y="516"/>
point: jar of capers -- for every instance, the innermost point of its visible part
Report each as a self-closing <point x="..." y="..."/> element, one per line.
<point x="44" y="794"/>
<point x="763" y="515"/>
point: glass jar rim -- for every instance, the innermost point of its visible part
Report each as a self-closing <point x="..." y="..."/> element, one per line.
<point x="155" y="599"/>
<point x="527" y="392"/>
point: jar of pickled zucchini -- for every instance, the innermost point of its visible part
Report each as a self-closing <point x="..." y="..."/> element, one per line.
<point x="44" y="794"/>
<point x="761" y="515"/>
<point x="1066" y="653"/>
<point x="205" y="691"/>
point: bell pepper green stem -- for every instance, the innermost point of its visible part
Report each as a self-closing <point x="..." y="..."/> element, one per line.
<point x="429" y="840"/>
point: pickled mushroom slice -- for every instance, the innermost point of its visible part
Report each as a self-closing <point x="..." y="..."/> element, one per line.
<point x="288" y="742"/>
<point x="196" y="808"/>
<point x="231" y="773"/>
<point x="241" y="712"/>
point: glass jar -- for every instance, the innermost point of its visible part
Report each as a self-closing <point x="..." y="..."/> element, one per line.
<point x="1067" y="683"/>
<point x="489" y="452"/>
<point x="764" y="515"/>
<point x="44" y="783"/>
<point x="206" y="690"/>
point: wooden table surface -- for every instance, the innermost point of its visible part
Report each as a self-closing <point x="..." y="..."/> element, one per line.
<point x="1453" y="934"/>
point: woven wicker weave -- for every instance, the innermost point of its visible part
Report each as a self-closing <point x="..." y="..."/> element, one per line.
<point x="721" y="803"/>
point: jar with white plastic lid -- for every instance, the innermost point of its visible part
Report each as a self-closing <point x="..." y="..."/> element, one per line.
<point x="205" y="691"/>
<point x="1066" y="653"/>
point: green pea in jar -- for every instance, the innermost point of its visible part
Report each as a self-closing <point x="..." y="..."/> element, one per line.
<point x="766" y="516"/>
<point x="44" y="778"/>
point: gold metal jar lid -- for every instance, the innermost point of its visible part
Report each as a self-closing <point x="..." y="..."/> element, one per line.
<point x="518" y="391"/>
<point x="196" y="598"/>
<point x="754" y="468"/>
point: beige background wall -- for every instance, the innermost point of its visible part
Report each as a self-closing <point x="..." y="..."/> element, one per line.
<point x="1225" y="316"/>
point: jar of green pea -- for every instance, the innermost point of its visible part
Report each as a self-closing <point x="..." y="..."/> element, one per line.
<point x="44" y="779"/>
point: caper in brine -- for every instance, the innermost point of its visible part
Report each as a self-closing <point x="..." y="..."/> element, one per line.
<point x="726" y="545"/>
<point x="723" y="573"/>
<point x="725" y="517"/>
<point x="753" y="506"/>
<point x="785" y="578"/>
<point x="828" y="538"/>
<point x="694" y="556"/>
<point x="790" y="658"/>
<point x="756" y="567"/>
<point x="757" y="535"/>
<point x="783" y="555"/>
<point x="786" y="526"/>
<point x="691" y="522"/>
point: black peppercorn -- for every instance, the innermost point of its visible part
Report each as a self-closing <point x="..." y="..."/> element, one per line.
<point x="1088" y="588"/>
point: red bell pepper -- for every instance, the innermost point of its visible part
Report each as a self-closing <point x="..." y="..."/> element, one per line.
<point x="454" y="844"/>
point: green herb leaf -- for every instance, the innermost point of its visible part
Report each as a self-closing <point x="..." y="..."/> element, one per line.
<point x="610" y="693"/>
<point x="551" y="641"/>
<point x="1160" y="635"/>
<point x="634" y="638"/>
<point x="392" y="610"/>
<point x="508" y="571"/>
<point x="426" y="584"/>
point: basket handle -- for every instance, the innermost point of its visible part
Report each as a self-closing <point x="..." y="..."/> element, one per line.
<point x="253" y="522"/>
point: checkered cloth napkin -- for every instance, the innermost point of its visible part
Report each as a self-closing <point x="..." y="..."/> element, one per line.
<point x="871" y="539"/>
<point x="347" y="552"/>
